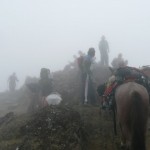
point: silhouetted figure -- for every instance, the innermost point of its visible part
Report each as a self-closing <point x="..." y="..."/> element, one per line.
<point x="12" y="82"/>
<point x="119" y="62"/>
<point x="88" y="93"/>
<point x="40" y="89"/>
<point x="80" y="60"/>
<point x="46" y="84"/>
<point x="104" y="50"/>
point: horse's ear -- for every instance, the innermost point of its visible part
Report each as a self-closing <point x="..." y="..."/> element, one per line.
<point x="111" y="69"/>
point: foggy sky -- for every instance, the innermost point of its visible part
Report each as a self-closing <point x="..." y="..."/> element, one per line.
<point x="47" y="33"/>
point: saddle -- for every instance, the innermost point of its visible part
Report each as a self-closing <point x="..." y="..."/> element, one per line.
<point x="122" y="75"/>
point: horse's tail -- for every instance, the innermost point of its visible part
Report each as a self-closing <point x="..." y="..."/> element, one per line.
<point x="138" y="118"/>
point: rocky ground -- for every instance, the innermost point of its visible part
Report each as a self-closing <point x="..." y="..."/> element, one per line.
<point x="60" y="128"/>
<point x="69" y="126"/>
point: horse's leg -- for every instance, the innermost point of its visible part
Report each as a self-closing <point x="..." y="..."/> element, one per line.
<point x="114" y="110"/>
<point x="114" y="120"/>
<point x="123" y="139"/>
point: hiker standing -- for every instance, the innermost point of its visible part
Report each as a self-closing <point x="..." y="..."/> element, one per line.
<point x="87" y="89"/>
<point x="12" y="82"/>
<point x="104" y="50"/>
<point x="46" y="85"/>
<point x="119" y="62"/>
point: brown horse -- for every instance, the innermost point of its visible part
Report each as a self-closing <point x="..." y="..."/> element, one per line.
<point x="132" y="101"/>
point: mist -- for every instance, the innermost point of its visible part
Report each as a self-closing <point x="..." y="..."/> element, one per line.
<point x="46" y="33"/>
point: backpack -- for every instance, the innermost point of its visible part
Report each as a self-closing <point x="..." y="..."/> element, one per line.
<point x="80" y="62"/>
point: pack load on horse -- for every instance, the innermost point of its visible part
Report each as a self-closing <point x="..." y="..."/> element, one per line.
<point x="146" y="70"/>
<point x="127" y="94"/>
<point x="120" y="76"/>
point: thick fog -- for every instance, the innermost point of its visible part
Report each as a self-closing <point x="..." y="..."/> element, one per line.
<point x="47" y="33"/>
